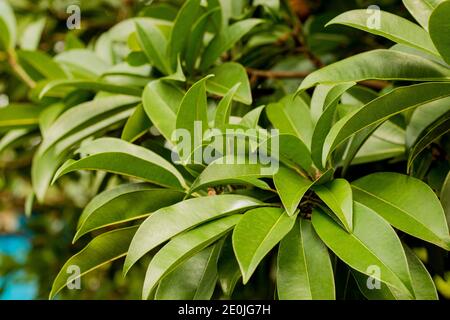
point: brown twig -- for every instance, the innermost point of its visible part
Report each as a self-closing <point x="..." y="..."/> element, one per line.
<point x="19" y="71"/>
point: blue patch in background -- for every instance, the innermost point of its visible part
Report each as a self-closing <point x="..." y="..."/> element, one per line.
<point x="17" y="285"/>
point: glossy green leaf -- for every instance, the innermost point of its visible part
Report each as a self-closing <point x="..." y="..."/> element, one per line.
<point x="225" y="40"/>
<point x="379" y="65"/>
<point x="223" y="111"/>
<point x="434" y="132"/>
<point x="179" y="36"/>
<point x="228" y="268"/>
<point x="258" y="232"/>
<point x="112" y="207"/>
<point x="193" y="111"/>
<point x="82" y="63"/>
<point x="136" y="125"/>
<point x="104" y="249"/>
<point x="230" y="169"/>
<point x="304" y="270"/>
<point x="7" y="25"/>
<point x="42" y="63"/>
<point x="381" y="109"/>
<point x="445" y="197"/>
<point x="31" y="36"/>
<point x="291" y="151"/>
<point x="195" y="279"/>
<point x="423" y="117"/>
<point x="421" y="10"/>
<point x="90" y="85"/>
<point x="154" y="45"/>
<point x="251" y="118"/>
<point x="161" y="100"/>
<point x="422" y="283"/>
<point x="196" y="38"/>
<point x="406" y="203"/>
<point x="291" y="115"/>
<point x="326" y="95"/>
<point x="390" y="26"/>
<point x="12" y="137"/>
<point x="121" y="157"/>
<point x="170" y="221"/>
<point x="70" y="129"/>
<point x="337" y="195"/>
<point x="226" y="76"/>
<point x="19" y="117"/>
<point x="183" y="247"/>
<point x="439" y="25"/>
<point x="291" y="187"/>
<point x="363" y="251"/>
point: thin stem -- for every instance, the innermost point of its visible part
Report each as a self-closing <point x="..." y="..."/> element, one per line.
<point x="19" y="71"/>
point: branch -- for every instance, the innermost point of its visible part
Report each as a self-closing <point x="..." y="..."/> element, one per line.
<point x="17" y="68"/>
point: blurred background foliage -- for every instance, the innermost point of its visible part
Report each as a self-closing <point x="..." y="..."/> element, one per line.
<point x="294" y="41"/>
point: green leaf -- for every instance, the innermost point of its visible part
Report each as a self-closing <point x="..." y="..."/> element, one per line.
<point x="90" y="85"/>
<point x="31" y="36"/>
<point x="101" y="250"/>
<point x="258" y="232"/>
<point x="154" y="45"/>
<point x="179" y="36"/>
<point x="391" y="26"/>
<point x="195" y="279"/>
<point x="292" y="151"/>
<point x="406" y="203"/>
<point x="439" y="25"/>
<point x="223" y="111"/>
<point x="422" y="283"/>
<point x="112" y="207"/>
<point x="291" y="188"/>
<point x="445" y="197"/>
<point x="326" y="115"/>
<point x="326" y="95"/>
<point x="228" y="269"/>
<point x="121" y="157"/>
<point x="42" y="63"/>
<point x="74" y="125"/>
<point x="196" y="38"/>
<point x="19" y="117"/>
<point x="225" y="40"/>
<point x="381" y="109"/>
<point x="226" y="76"/>
<point x="229" y="170"/>
<point x="82" y="63"/>
<point x="136" y="125"/>
<point x="170" y="221"/>
<point x="434" y="132"/>
<point x="304" y="270"/>
<point x="7" y="26"/>
<point x="192" y="110"/>
<point x="161" y="100"/>
<point x="379" y="65"/>
<point x="12" y="137"/>
<point x="421" y="10"/>
<point x="251" y="118"/>
<point x="362" y="251"/>
<point x="423" y="117"/>
<point x="183" y="247"/>
<point x="291" y="115"/>
<point x="337" y="195"/>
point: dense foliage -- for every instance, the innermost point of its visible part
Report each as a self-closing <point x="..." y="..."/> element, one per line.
<point x="351" y="202"/>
